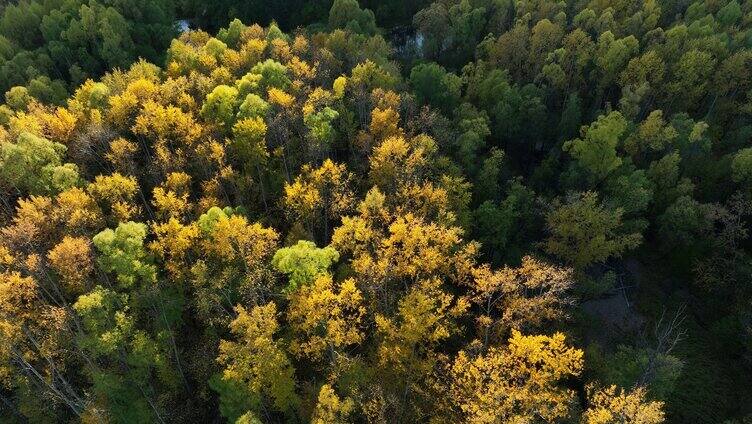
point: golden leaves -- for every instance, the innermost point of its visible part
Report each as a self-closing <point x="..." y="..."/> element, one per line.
<point x="408" y="249"/>
<point x="77" y="210"/>
<point x="116" y="192"/>
<point x="316" y="100"/>
<point x="337" y="308"/>
<point x="173" y="243"/>
<point x="322" y="190"/>
<point x="331" y="409"/>
<point x="255" y="361"/>
<point x="171" y="198"/>
<point x="60" y="125"/>
<point x="121" y="154"/>
<point x="167" y="123"/>
<point x="71" y="260"/>
<point x="279" y="97"/>
<point x="398" y="161"/>
<point x="385" y="124"/>
<point x="611" y="406"/>
<point x="516" y="383"/>
<point x="426" y="316"/>
<point x="523" y="297"/>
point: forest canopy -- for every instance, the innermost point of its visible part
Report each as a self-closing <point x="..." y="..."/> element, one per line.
<point x="485" y="211"/>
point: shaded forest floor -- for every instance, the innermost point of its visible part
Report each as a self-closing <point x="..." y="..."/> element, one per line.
<point x="715" y="381"/>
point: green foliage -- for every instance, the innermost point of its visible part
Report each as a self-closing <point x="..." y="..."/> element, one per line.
<point x="45" y="90"/>
<point x="320" y="124"/>
<point x="18" y="98"/>
<point x="101" y="311"/>
<point x="275" y="33"/>
<point x="583" y="231"/>
<point x="253" y="107"/>
<point x="685" y="222"/>
<point x="220" y="105"/>
<point x="127" y="403"/>
<point x="207" y="221"/>
<point x="502" y="229"/>
<point x="48" y="44"/>
<point x="122" y="252"/>
<point x="433" y="85"/>
<point x="273" y="75"/>
<point x="303" y="262"/>
<point x="248" y="84"/>
<point x="111" y="334"/>
<point x="631" y="191"/>
<point x="729" y="14"/>
<point x="248" y="418"/>
<point x="234" y="398"/>
<point x="741" y="167"/>
<point x="348" y="14"/>
<point x="231" y="35"/>
<point x="451" y="30"/>
<point x="571" y="118"/>
<point x="596" y="151"/>
<point x="34" y="165"/>
<point x="475" y="129"/>
<point x="628" y="366"/>
<point x="509" y="106"/>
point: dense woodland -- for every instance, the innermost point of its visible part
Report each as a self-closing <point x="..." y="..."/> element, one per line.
<point x="481" y="211"/>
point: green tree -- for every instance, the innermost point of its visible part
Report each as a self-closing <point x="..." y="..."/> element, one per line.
<point x="434" y="85"/>
<point x="583" y="231"/>
<point x="303" y="262"/>
<point x="34" y="165"/>
<point x="18" y="98"/>
<point x="692" y="75"/>
<point x="253" y="107"/>
<point x="596" y="151"/>
<point x="741" y="167"/>
<point x="122" y="252"/>
<point x="111" y="335"/>
<point x="273" y="75"/>
<point x="220" y="105"/>
<point x="348" y="14"/>
<point x="729" y="14"/>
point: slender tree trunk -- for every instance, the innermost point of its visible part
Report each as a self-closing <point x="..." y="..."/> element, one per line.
<point x="263" y="191"/>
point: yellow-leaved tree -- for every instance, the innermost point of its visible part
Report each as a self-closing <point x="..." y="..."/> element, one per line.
<point x="326" y="317"/>
<point x="331" y="409"/>
<point x="610" y="405"/>
<point x="517" y="383"/>
<point x="257" y="373"/>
